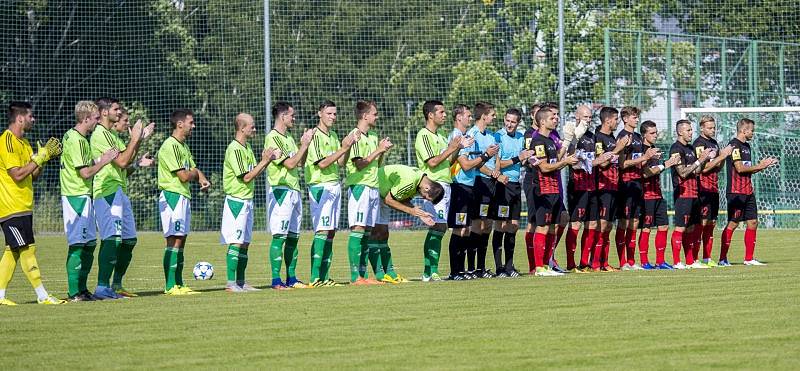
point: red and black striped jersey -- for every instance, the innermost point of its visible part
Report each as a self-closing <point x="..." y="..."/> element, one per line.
<point x="709" y="182"/>
<point x="739" y="183"/>
<point x="579" y="179"/>
<point x="684" y="187"/>
<point x="545" y="150"/>
<point x="608" y="178"/>
<point x="652" y="185"/>
<point x="631" y="152"/>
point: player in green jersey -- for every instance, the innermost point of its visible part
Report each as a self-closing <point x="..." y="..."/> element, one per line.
<point x="176" y="168"/>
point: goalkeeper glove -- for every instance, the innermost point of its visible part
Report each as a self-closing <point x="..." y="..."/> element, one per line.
<point x="50" y="150"/>
<point x="569" y="134"/>
<point x="580" y="129"/>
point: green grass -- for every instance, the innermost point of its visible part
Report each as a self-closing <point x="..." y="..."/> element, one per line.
<point x="739" y="317"/>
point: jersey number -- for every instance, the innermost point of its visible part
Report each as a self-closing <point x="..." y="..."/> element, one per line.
<point x="326" y="221"/>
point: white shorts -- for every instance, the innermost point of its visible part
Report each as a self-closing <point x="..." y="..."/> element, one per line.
<point x="439" y="211"/>
<point x="237" y="221"/>
<point x="383" y="215"/>
<point x="176" y="213"/>
<point x="114" y="216"/>
<point x="78" y="214"/>
<point x="363" y="207"/>
<point x="326" y="201"/>
<point x="284" y="210"/>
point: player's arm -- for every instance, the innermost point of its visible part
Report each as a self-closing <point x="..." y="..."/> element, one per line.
<point x="629" y="162"/>
<point x="685" y="171"/>
<point x="299" y="158"/>
<point x="408" y="208"/>
<point x="267" y="155"/>
<point x="341" y="155"/>
<point x="383" y="146"/>
<point x="546" y="167"/>
<point x="137" y="134"/>
<point x="87" y="172"/>
<point x="22" y="172"/>
<point x="522" y="157"/>
<point x="434" y="160"/>
<point x="655" y="170"/>
<point x="741" y="168"/>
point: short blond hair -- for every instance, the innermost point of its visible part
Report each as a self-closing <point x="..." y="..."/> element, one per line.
<point x="705" y="119"/>
<point x="84" y="109"/>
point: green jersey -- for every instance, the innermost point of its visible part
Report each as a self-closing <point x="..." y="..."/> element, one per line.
<point x="428" y="145"/>
<point x="239" y="160"/>
<point x="399" y="180"/>
<point x="111" y="176"/>
<point x="323" y="145"/>
<point x="174" y="155"/>
<point x="277" y="173"/>
<point x="367" y="176"/>
<point x="76" y="155"/>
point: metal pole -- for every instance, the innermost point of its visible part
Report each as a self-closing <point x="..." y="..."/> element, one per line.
<point x="409" y="143"/>
<point x="561" y="87"/>
<point x="267" y="87"/>
<point x="607" y="64"/>
<point x="670" y="103"/>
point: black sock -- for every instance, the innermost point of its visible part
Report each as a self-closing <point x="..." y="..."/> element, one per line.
<point x="497" y="249"/>
<point x="472" y="248"/>
<point x="509" y="240"/>
<point x="482" y="246"/>
<point x="455" y="241"/>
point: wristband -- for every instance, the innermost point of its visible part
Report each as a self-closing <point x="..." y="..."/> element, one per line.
<point x="484" y="157"/>
<point x="515" y="160"/>
<point x="697" y="163"/>
<point x="660" y="168"/>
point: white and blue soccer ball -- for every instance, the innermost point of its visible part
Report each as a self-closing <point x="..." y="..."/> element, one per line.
<point x="203" y="271"/>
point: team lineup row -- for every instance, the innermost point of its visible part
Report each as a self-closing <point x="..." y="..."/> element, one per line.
<point x="471" y="181"/>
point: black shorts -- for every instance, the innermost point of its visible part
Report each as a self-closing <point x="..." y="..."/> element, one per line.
<point x="709" y="205"/>
<point x="740" y="208"/>
<point x="547" y="209"/>
<point x="630" y="200"/>
<point x="484" y="191"/>
<point x="654" y="214"/>
<point x="18" y="231"/>
<point x="507" y="204"/>
<point x="606" y="206"/>
<point x="581" y="204"/>
<point x="461" y="210"/>
<point x="687" y="212"/>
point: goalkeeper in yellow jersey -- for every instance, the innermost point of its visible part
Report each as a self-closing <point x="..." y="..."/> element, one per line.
<point x="18" y="167"/>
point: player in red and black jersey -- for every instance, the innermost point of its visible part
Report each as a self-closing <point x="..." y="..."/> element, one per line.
<point x="525" y="174"/>
<point x="654" y="213"/>
<point x="629" y="200"/>
<point x="545" y="189"/>
<point x="685" y="183"/>
<point x="739" y="193"/>
<point x="607" y="182"/>
<point x="708" y="194"/>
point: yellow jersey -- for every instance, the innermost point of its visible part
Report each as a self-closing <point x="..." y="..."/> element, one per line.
<point x="16" y="198"/>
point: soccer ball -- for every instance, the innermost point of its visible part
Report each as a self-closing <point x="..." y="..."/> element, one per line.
<point x="203" y="271"/>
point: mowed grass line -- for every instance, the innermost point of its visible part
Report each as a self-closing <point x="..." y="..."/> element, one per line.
<point x="739" y="317"/>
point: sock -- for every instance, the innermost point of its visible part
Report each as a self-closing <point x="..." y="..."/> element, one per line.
<point x="317" y="247"/>
<point x="597" y="250"/>
<point x="630" y="246"/>
<point x="275" y="256"/>
<point x="87" y="259"/>
<point x="106" y="260"/>
<point x="708" y="240"/>
<point x="587" y="242"/>
<point x="170" y="264"/>
<point x="232" y="262"/>
<point x="124" y="257"/>
<point x="548" y="248"/>
<point x="433" y="247"/>
<point x="661" y="246"/>
<point x="725" y="244"/>
<point x="327" y="258"/>
<point x="559" y="233"/>
<point x="386" y="259"/>
<point x="29" y="265"/>
<point x="571" y="245"/>
<point x="453" y="250"/>
<point x="74" y="269"/>
<point x="7" y="266"/>
<point x="363" y="261"/>
<point x="539" y="246"/>
<point x="688" y="247"/>
<point x="677" y="242"/>
<point x="509" y="240"/>
<point x="644" y="246"/>
<point x="606" y="247"/>
<point x="497" y="249"/>
<point x="620" y="241"/>
<point x="483" y="243"/>
<point x="354" y="253"/>
<point x="529" y="236"/>
<point x="472" y="249"/>
<point x="749" y="243"/>
<point x="696" y="242"/>
<point x="374" y="257"/>
<point x="290" y="255"/>
<point x="179" y="267"/>
<point x="242" y="267"/>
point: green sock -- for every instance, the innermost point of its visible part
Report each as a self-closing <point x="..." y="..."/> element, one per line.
<point x="433" y="246"/>
<point x="170" y="264"/>
<point x="327" y="258"/>
<point x="276" y="254"/>
<point x="106" y="260"/>
<point x="316" y="254"/>
<point x="375" y="259"/>
<point x="386" y="259"/>
<point x="362" y="262"/>
<point x="87" y="259"/>
<point x="354" y="254"/>
<point x="232" y="262"/>
<point x="179" y="268"/>
<point x="123" y="261"/>
<point x="241" y="267"/>
<point x="74" y="269"/>
<point x="290" y="254"/>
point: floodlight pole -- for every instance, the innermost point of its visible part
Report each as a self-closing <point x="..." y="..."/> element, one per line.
<point x="267" y="87"/>
<point x="561" y="87"/>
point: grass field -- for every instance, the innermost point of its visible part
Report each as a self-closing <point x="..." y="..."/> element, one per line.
<point x="738" y="317"/>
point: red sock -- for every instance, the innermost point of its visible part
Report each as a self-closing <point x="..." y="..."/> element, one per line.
<point x="677" y="243"/>
<point x="572" y="245"/>
<point x="688" y="247"/>
<point x="597" y="251"/>
<point x="630" y="248"/>
<point x="587" y="241"/>
<point x="661" y="246"/>
<point x="708" y="240"/>
<point x="559" y="233"/>
<point x="529" y="250"/>
<point x="539" y="243"/>
<point x="606" y="246"/>
<point x="725" y="244"/>
<point x="548" y="248"/>
<point x="620" y="241"/>
<point x="644" y="246"/>
<point x="749" y="243"/>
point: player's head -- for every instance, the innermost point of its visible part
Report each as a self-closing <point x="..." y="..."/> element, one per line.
<point x="182" y="120"/>
<point x="86" y="114"/>
<point x="123" y="123"/>
<point x="609" y="117"/>
<point x="430" y="190"/>
<point x="462" y="116"/>
<point x="708" y="126"/>
<point x="649" y="132"/>
<point x="745" y="127"/>
<point x="546" y="118"/>
<point x="533" y="109"/>
<point x="583" y="114"/>
<point x="21" y="113"/>
<point x="433" y="111"/>
<point x="109" y="109"/>
<point x="511" y="119"/>
<point x="245" y="124"/>
<point x="684" y="130"/>
<point x="630" y="116"/>
<point x="553" y="106"/>
<point x="484" y="112"/>
<point x="283" y="112"/>
<point x="367" y="111"/>
<point x="327" y="113"/>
